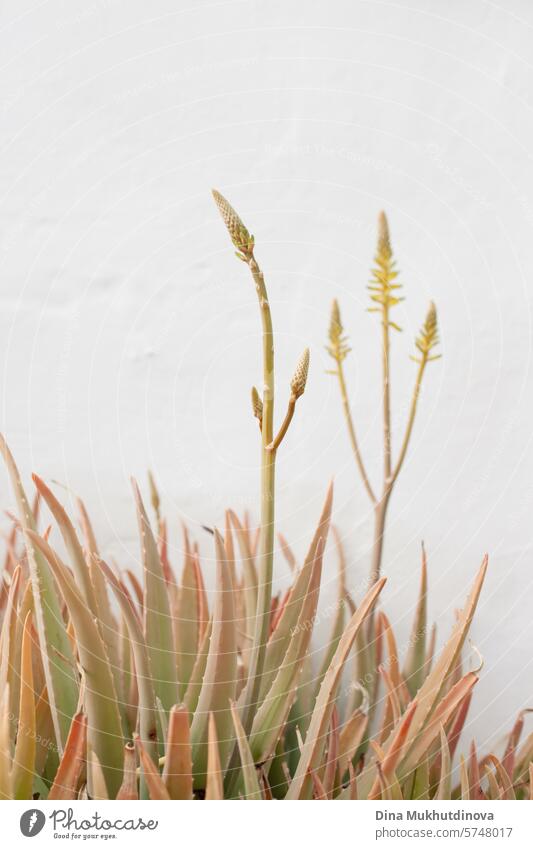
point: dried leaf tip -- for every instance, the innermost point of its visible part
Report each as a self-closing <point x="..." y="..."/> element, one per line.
<point x="154" y="496"/>
<point x="257" y="404"/>
<point x="299" y="378"/>
<point x="339" y="347"/>
<point x="428" y="338"/>
<point x="240" y="236"/>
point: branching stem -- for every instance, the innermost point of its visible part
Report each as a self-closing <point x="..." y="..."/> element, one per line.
<point x="351" y="432"/>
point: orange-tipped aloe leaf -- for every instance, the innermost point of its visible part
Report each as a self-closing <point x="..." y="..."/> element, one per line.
<point x="24" y="758"/>
<point x="104" y="724"/>
<point x="72" y="544"/>
<point x="458" y="724"/>
<point x="338" y="620"/>
<point x="509" y="757"/>
<point x="214" y="790"/>
<point x="6" y="784"/>
<point x="201" y="600"/>
<point x="195" y="684"/>
<point x="464" y="779"/>
<point x="287" y="552"/>
<point x="315" y="737"/>
<point x="507" y="790"/>
<point x="145" y="686"/>
<point x="252" y="789"/>
<point x="220" y="679"/>
<point x="158" y="630"/>
<point x="444" y="711"/>
<point x="56" y="653"/>
<point x="154" y="782"/>
<point x="351" y="737"/>
<point x="9" y="663"/>
<point x="187" y="622"/>
<point x="429" y="694"/>
<point x="332" y="756"/>
<point x="129" y="788"/>
<point x="444" y="789"/>
<point x="177" y="772"/>
<point x="44" y="732"/>
<point x="280" y="638"/>
<point x="270" y="718"/>
<point x="392" y="756"/>
<point x="66" y="779"/>
<point x="415" y="662"/>
<point x="319" y="791"/>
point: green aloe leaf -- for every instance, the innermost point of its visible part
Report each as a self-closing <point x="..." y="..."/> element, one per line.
<point x="158" y="630"/>
<point x="104" y="724"/>
<point x="56" y="653"/>
<point x="220" y="679"/>
<point x="310" y="758"/>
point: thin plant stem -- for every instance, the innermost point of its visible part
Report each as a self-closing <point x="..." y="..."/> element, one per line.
<point x="387" y="448"/>
<point x="274" y="445"/>
<point x="268" y="472"/>
<point x="410" y="421"/>
<point x="352" y="434"/>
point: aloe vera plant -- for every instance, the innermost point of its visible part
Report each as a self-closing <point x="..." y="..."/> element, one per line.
<point x="124" y="688"/>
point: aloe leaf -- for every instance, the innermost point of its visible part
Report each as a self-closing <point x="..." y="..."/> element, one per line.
<point x="195" y="684"/>
<point x="336" y="632"/>
<point x="187" y="622"/>
<point x="145" y="686"/>
<point x="104" y="725"/>
<point x="431" y="690"/>
<point x="128" y="789"/>
<point x="87" y="575"/>
<point x="251" y="784"/>
<point x="280" y="638"/>
<point x="56" y="652"/>
<point x="6" y="784"/>
<point x="315" y="737"/>
<point x="214" y="790"/>
<point x="44" y="732"/>
<point x="72" y="544"/>
<point x="96" y="783"/>
<point x="158" y="630"/>
<point x="271" y="716"/>
<point x="220" y="679"/>
<point x="392" y="756"/>
<point x="351" y="737"/>
<point x="415" y="662"/>
<point x="9" y="678"/>
<point x="24" y="759"/>
<point x="67" y="777"/>
<point x="441" y="716"/>
<point x="444" y="789"/>
<point x="154" y="782"/>
<point x="177" y="772"/>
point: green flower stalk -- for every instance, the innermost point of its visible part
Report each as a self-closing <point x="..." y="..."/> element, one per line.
<point x="263" y="409"/>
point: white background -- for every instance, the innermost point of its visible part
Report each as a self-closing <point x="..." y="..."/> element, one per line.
<point x="129" y="332"/>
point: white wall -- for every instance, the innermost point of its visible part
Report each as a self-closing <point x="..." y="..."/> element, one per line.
<point x="129" y="332"/>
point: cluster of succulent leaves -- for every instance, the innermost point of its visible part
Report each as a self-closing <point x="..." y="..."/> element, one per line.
<point x="118" y="688"/>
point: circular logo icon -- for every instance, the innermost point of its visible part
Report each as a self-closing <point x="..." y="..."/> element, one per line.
<point x="32" y="822"/>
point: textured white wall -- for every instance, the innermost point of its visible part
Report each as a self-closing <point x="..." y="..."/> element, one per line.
<point x="129" y="332"/>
